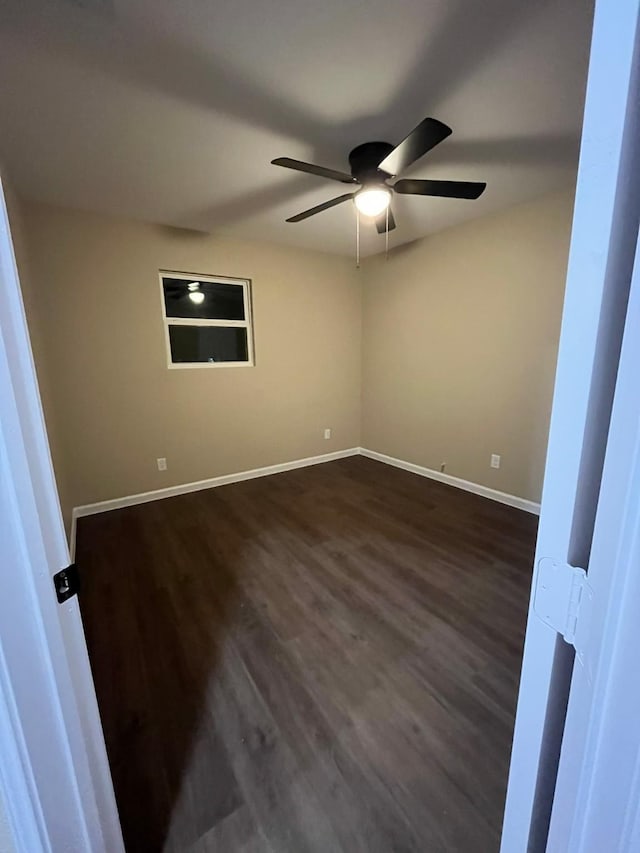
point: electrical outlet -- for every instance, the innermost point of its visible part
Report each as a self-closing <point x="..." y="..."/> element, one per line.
<point x="495" y="460"/>
<point x="162" y="463"/>
<point x="327" y="433"/>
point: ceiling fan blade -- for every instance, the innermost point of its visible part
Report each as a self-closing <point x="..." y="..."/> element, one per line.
<point x="320" y="207"/>
<point x="312" y="169"/>
<point x="422" y="138"/>
<point x="444" y="189"/>
<point x="381" y="222"/>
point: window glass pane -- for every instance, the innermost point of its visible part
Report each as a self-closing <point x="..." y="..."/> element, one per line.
<point x="205" y="300"/>
<point x="190" y="344"/>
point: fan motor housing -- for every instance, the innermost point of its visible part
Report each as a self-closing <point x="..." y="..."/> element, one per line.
<point x="364" y="161"/>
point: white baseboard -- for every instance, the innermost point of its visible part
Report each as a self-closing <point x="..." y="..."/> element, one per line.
<point x="212" y="482"/>
<point x="72" y="535"/>
<point x="466" y="485"/>
<point x="226" y="479"/>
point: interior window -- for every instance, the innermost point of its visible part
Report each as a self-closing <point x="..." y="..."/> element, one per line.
<point x="207" y="320"/>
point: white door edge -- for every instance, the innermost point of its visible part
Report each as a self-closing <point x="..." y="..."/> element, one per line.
<point x="58" y="782"/>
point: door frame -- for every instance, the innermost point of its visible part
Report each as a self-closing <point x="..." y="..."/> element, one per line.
<point x="55" y="784"/>
<point x="597" y="796"/>
<point x="601" y="259"/>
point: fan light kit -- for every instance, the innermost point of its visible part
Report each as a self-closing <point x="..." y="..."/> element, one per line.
<point x="372" y="202"/>
<point x="374" y="165"/>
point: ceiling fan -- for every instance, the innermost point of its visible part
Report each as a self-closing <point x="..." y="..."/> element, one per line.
<point x="374" y="164"/>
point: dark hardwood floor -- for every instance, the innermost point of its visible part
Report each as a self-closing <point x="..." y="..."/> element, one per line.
<point x="322" y="660"/>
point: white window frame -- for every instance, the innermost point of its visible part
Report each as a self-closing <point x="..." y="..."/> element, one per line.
<point x="247" y="323"/>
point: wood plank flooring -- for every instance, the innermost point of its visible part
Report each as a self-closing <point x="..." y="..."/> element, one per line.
<point x="321" y="660"/>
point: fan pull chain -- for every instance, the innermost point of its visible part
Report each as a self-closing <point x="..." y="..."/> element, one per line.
<point x="357" y="239"/>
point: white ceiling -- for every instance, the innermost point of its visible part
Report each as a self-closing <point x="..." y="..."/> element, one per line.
<point x="170" y="111"/>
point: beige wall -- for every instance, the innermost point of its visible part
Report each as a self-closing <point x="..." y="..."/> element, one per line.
<point x="93" y="302"/>
<point x="458" y="341"/>
<point x="460" y="334"/>
<point x="37" y="323"/>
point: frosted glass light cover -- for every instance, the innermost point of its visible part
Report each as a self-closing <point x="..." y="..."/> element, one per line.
<point x="373" y="201"/>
